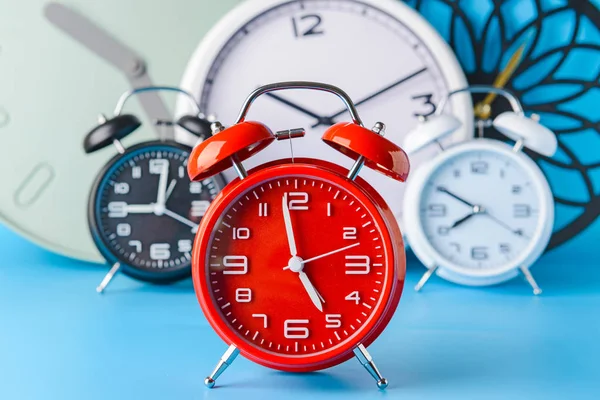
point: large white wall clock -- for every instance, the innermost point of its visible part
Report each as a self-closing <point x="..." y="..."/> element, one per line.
<point x="61" y="65"/>
<point x="391" y="62"/>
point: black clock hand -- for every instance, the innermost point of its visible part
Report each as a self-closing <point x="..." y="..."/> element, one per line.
<point x="517" y="232"/>
<point x="463" y="220"/>
<point x="330" y="119"/>
<point x="322" y="120"/>
<point x="444" y="190"/>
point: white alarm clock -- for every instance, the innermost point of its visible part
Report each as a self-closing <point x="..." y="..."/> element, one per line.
<point x="480" y="211"/>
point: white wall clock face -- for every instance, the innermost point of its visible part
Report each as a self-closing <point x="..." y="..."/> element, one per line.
<point x="385" y="56"/>
<point x="53" y="89"/>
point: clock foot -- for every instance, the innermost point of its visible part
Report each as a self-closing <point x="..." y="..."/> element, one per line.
<point x="225" y="361"/>
<point x="527" y="273"/>
<point x="425" y="278"/>
<point x="366" y="360"/>
<point x="108" y="278"/>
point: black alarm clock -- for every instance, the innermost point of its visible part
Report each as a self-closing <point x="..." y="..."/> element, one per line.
<point x="143" y="211"/>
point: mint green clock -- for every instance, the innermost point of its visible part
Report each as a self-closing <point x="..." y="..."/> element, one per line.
<point x="61" y="64"/>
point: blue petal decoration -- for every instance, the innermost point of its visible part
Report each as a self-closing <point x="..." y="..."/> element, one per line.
<point x="549" y="5"/>
<point x="463" y="46"/>
<point x="559" y="122"/>
<point x="550" y="93"/>
<point x="557" y="31"/>
<point x="536" y="73"/>
<point x="571" y="67"/>
<point x="585" y="144"/>
<point x="567" y="183"/>
<point x="581" y="105"/>
<point x="594" y="175"/>
<point x="517" y="14"/>
<point x="588" y="32"/>
<point x="439" y="15"/>
<point x="491" y="46"/>
<point x="478" y="12"/>
<point x="565" y="214"/>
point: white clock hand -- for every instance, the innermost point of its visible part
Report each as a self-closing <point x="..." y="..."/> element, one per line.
<point x="116" y="53"/>
<point x="330" y="253"/>
<point x="161" y="196"/>
<point x="141" y="208"/>
<point x="289" y="230"/>
<point x="170" y="189"/>
<point x="312" y="292"/>
<point x="326" y="254"/>
<point x="181" y="219"/>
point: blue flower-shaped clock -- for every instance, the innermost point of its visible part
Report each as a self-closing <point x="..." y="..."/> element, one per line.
<point x="557" y="78"/>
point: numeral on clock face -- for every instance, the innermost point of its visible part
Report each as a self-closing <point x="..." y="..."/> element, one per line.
<point x="350" y="233"/>
<point x="307" y="25"/>
<point x="333" y="321"/>
<point x="298" y="201"/>
<point x="243" y="295"/>
<point x="296" y="329"/>
<point x="353" y="296"/>
<point x="358" y="265"/>
<point x="235" y="265"/>
<point x="157" y="166"/>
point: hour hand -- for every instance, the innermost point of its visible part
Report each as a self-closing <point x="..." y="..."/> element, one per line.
<point x="312" y="292"/>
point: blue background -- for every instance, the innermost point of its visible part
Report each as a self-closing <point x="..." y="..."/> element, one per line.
<point x="59" y="339"/>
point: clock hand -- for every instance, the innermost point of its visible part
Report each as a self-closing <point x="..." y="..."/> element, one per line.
<point x="463" y="220"/>
<point x="289" y="230"/>
<point x="381" y="91"/>
<point x="114" y="52"/>
<point x="476" y="210"/>
<point x="312" y="292"/>
<point x="517" y="232"/>
<point x="483" y="109"/>
<point x="326" y="254"/>
<point x="141" y="208"/>
<point x="444" y="190"/>
<point x="181" y="219"/>
<point x="161" y="196"/>
<point x="170" y="189"/>
<point x="321" y="120"/>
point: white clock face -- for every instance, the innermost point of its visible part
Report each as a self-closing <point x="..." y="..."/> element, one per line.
<point x="387" y="58"/>
<point x="481" y="210"/>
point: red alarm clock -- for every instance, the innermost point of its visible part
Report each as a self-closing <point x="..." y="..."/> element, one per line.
<point x="298" y="264"/>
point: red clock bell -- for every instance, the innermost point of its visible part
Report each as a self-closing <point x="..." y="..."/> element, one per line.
<point x="298" y="264"/>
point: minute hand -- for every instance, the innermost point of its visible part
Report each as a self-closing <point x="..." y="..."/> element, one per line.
<point x="381" y="91"/>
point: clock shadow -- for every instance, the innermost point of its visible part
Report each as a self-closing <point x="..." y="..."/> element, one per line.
<point x="321" y="381"/>
<point x="182" y="287"/>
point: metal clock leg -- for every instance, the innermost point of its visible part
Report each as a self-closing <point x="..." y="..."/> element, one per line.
<point x="108" y="278"/>
<point x="425" y="278"/>
<point x="225" y="361"/>
<point x="527" y="273"/>
<point x="366" y="360"/>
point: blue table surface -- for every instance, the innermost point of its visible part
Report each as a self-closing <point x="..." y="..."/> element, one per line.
<point x="61" y="340"/>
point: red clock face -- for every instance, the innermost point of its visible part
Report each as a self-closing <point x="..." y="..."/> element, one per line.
<point x="297" y="267"/>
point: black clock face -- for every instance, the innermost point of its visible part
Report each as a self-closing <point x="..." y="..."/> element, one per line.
<point x="145" y="211"/>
